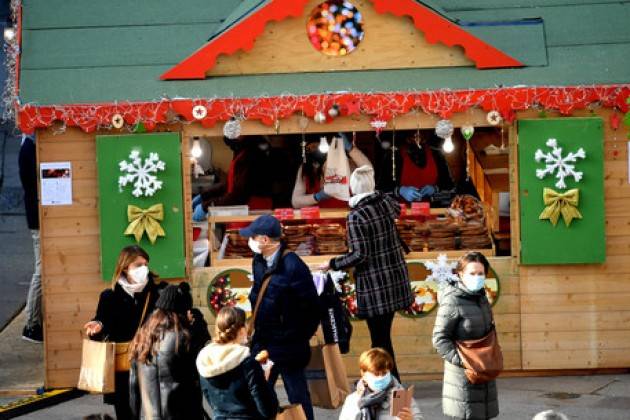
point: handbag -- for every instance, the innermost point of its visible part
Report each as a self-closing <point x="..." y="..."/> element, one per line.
<point x="335" y="321"/>
<point x="326" y="375"/>
<point x="97" y="366"/>
<point x="482" y="358"/>
<point x="291" y="412"/>
<point x="122" y="359"/>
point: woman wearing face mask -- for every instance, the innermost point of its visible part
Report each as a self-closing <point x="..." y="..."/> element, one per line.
<point x="371" y="400"/>
<point x="464" y="314"/>
<point x="309" y="183"/>
<point x="232" y="381"/>
<point x="121" y="311"/>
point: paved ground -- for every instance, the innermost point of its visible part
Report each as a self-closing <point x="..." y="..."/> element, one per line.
<point x="16" y="249"/>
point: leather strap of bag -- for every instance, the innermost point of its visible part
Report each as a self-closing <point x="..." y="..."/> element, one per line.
<point x="144" y="311"/>
<point x="263" y="288"/>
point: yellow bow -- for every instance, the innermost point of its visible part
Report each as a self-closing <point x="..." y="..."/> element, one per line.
<point x="564" y="204"/>
<point x="141" y="221"/>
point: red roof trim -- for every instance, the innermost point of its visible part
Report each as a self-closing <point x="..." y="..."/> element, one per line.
<point x="242" y="36"/>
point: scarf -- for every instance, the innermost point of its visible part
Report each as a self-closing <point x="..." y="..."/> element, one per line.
<point x="371" y="401"/>
<point x="356" y="198"/>
<point x="131" y="288"/>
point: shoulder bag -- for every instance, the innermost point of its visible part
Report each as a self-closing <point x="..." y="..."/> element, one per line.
<point x="482" y="358"/>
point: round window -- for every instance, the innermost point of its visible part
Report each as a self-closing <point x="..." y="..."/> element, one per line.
<point x="335" y="27"/>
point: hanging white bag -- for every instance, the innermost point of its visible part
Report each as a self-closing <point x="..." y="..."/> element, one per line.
<point x="337" y="172"/>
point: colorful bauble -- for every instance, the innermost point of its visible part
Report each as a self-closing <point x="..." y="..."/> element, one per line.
<point x="334" y="111"/>
<point x="444" y="129"/>
<point x="467" y="131"/>
<point x="232" y="129"/>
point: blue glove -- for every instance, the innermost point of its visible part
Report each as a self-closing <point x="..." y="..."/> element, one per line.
<point x="197" y="200"/>
<point x="427" y="191"/>
<point x="321" y="196"/>
<point x="410" y="194"/>
<point x="199" y="215"/>
<point x="347" y="144"/>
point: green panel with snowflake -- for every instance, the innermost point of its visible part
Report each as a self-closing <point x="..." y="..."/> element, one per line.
<point x="168" y="253"/>
<point x="581" y="143"/>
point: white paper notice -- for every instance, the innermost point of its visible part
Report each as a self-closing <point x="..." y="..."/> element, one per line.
<point x="56" y="183"/>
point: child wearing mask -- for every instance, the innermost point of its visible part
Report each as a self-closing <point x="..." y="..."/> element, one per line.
<point x="232" y="381"/>
<point x="371" y="400"/>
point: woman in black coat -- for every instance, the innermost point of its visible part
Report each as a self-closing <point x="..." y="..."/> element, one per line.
<point x="376" y="253"/>
<point x="232" y="381"/>
<point x="121" y="311"/>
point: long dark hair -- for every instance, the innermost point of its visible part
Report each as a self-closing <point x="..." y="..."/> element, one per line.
<point x="145" y="344"/>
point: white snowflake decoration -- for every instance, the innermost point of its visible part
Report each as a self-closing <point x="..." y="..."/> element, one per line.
<point x="441" y="271"/>
<point x="143" y="175"/>
<point x="562" y="166"/>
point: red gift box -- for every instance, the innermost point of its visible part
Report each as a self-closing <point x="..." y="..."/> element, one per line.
<point x="310" y="213"/>
<point x="420" y="209"/>
<point x="284" y="214"/>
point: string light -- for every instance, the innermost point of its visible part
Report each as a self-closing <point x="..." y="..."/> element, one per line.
<point x="448" y="145"/>
<point x="323" y="145"/>
<point x="196" y="151"/>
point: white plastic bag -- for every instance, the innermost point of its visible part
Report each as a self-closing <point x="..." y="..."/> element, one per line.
<point x="337" y="173"/>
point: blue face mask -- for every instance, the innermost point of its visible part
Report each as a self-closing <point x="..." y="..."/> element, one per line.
<point x="472" y="282"/>
<point x="377" y="383"/>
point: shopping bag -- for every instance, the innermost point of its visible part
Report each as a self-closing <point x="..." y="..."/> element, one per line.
<point x="327" y="377"/>
<point x="291" y="412"/>
<point x="97" y="366"/>
<point x="337" y="172"/>
<point x="335" y="321"/>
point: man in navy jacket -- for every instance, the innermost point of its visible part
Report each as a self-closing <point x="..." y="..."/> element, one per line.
<point x="288" y="314"/>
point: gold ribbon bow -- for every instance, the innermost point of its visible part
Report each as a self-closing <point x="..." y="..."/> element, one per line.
<point x="141" y="221"/>
<point x="564" y="204"/>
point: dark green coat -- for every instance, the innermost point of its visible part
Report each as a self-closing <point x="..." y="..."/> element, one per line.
<point x="463" y="315"/>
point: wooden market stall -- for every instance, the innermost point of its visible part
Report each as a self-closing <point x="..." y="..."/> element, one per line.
<point x="100" y="82"/>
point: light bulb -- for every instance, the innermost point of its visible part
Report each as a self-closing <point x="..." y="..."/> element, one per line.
<point x="448" y="145"/>
<point x="9" y="34"/>
<point x="323" y="145"/>
<point x="196" y="149"/>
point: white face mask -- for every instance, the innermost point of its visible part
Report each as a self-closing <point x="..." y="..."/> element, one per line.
<point x="474" y="282"/>
<point x="139" y="274"/>
<point x="254" y="245"/>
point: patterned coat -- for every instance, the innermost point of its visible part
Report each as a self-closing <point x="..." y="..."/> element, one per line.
<point x="463" y="315"/>
<point x="376" y="253"/>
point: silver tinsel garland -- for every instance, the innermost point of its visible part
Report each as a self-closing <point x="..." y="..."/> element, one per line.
<point x="12" y="52"/>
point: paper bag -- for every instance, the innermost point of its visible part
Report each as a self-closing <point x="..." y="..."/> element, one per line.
<point x="337" y="172"/>
<point x="97" y="366"/>
<point x="327" y="377"/>
<point x="291" y="412"/>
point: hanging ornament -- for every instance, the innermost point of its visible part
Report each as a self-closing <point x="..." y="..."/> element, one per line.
<point x="199" y="112"/>
<point x="353" y="107"/>
<point x="378" y="125"/>
<point x="494" y="118"/>
<point x="118" y="121"/>
<point x="444" y="129"/>
<point x="394" y="153"/>
<point x="615" y="120"/>
<point x="467" y="131"/>
<point x="320" y="117"/>
<point x="232" y="129"/>
<point x="303" y="148"/>
<point x="303" y="122"/>
<point x="334" y="111"/>
<point x="276" y="125"/>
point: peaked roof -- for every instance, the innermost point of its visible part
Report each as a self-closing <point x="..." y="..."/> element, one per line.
<point x="248" y="21"/>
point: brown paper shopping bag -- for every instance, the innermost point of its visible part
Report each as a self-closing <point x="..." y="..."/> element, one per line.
<point x="291" y="412"/>
<point x="327" y="377"/>
<point x="97" y="366"/>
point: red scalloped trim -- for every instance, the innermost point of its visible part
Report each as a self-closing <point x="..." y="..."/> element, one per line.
<point x="243" y="35"/>
<point x="240" y="37"/>
<point x="379" y="106"/>
<point x="436" y="28"/>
